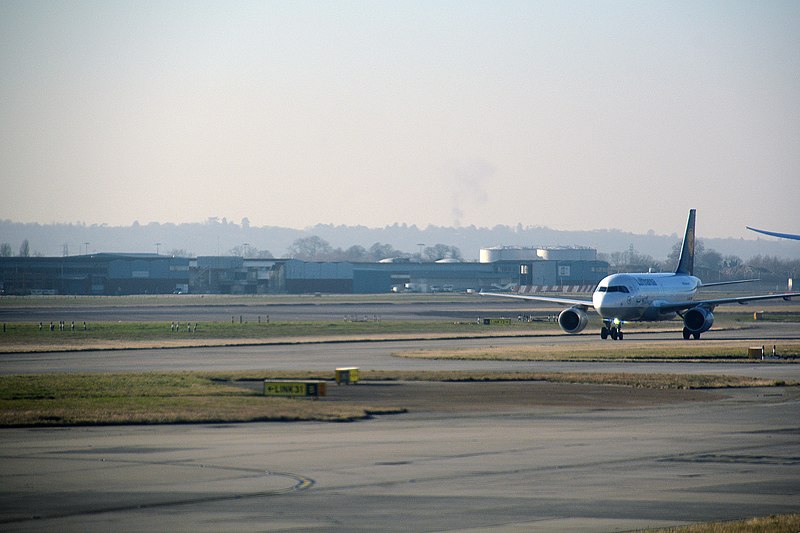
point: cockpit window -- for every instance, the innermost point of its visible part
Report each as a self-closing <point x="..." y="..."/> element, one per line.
<point x="614" y="288"/>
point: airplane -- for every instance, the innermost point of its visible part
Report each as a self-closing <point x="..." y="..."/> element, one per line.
<point x="640" y="297"/>
<point x="775" y="233"/>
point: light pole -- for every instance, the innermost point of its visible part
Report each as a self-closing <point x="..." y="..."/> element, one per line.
<point x="157" y="245"/>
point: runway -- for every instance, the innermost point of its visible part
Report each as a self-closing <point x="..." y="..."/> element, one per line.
<point x="587" y="464"/>
<point x="379" y="356"/>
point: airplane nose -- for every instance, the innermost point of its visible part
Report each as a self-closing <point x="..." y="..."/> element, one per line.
<point x="606" y="305"/>
<point x="599" y="300"/>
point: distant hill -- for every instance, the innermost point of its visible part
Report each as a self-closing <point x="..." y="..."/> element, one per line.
<point x="220" y="237"/>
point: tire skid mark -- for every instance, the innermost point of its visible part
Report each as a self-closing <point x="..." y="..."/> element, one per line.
<point x="301" y="483"/>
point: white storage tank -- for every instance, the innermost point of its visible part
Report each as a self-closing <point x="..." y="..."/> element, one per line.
<point x="567" y="253"/>
<point x="507" y="253"/>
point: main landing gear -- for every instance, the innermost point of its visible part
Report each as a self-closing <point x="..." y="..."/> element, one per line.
<point x="612" y="329"/>
<point x="688" y="334"/>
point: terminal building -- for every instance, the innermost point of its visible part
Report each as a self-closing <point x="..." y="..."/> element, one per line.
<point x="505" y="268"/>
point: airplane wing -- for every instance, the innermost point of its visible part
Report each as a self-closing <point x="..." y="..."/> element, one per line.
<point x="775" y="233"/>
<point x="585" y="304"/>
<point x="668" y="307"/>
<point x="717" y="283"/>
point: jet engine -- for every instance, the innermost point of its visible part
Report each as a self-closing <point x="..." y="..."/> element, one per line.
<point x="573" y="320"/>
<point x="698" y="319"/>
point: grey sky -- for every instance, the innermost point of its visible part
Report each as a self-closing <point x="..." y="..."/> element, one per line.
<point x="573" y="115"/>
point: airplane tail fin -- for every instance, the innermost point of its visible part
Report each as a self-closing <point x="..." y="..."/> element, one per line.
<point x="686" y="261"/>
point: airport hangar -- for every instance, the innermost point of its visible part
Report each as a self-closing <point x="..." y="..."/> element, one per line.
<point x="557" y="269"/>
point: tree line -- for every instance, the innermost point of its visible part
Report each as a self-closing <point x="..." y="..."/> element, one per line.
<point x="318" y="249"/>
<point x="24" y="249"/>
<point x="307" y="249"/>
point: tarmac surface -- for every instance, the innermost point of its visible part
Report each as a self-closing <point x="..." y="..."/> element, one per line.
<point x="378" y="355"/>
<point x="577" y="459"/>
<point x="523" y="456"/>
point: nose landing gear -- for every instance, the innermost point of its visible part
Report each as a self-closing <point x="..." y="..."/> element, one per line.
<point x="613" y="329"/>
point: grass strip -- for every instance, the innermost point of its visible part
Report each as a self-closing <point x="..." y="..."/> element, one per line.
<point x="28" y="337"/>
<point x="173" y="410"/>
<point x="787" y="523"/>
<point x="704" y="351"/>
<point x="152" y="398"/>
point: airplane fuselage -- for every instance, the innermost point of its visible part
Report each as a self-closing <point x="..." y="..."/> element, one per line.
<point x="636" y="297"/>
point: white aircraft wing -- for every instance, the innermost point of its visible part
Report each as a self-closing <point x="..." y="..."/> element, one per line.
<point x="776" y="234"/>
<point x="718" y="283"/>
<point x="680" y="306"/>
<point x="585" y="304"/>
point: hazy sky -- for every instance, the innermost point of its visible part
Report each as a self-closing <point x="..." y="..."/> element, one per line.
<point x="572" y="115"/>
